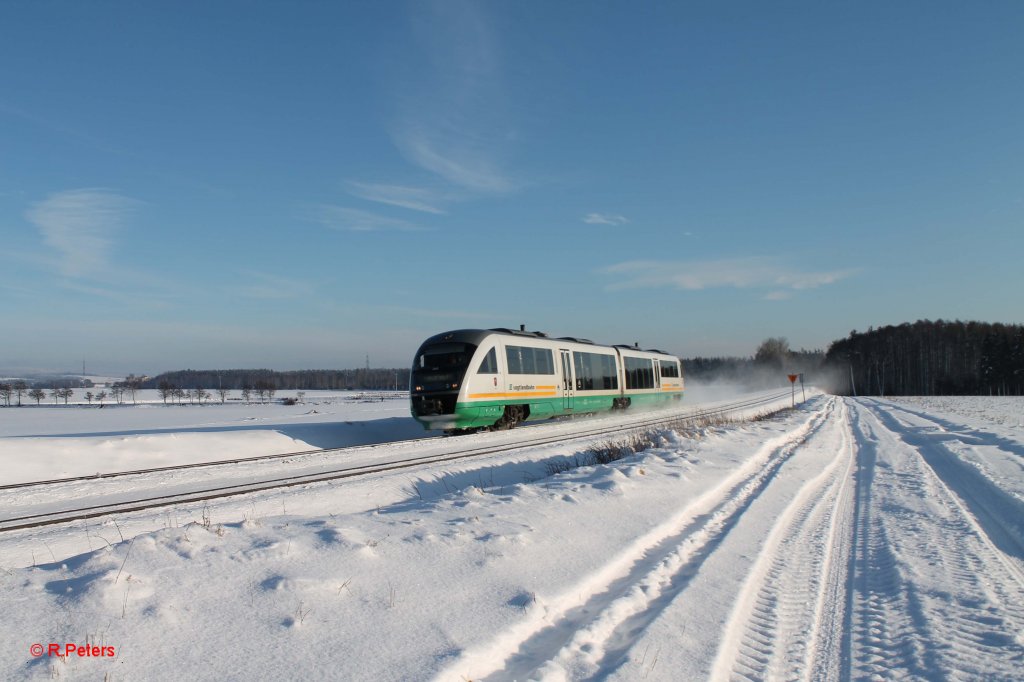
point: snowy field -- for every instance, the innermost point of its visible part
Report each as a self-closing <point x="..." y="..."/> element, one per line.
<point x="848" y="539"/>
<point x="57" y="441"/>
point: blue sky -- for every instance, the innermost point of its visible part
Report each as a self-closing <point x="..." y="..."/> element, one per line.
<point x="298" y="184"/>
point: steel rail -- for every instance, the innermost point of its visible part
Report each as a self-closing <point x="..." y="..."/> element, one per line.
<point x="241" y="460"/>
<point x="94" y="511"/>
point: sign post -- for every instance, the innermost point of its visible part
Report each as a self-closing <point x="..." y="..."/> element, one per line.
<point x="792" y="387"/>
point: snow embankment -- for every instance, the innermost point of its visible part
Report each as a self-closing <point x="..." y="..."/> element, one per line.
<point x="46" y="443"/>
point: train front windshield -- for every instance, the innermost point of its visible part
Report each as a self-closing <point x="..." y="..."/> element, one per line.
<point x="442" y="364"/>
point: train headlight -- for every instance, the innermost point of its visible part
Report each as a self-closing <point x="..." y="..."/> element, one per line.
<point x="419" y="388"/>
<point x="455" y="385"/>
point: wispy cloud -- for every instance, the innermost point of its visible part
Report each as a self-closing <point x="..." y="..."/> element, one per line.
<point x="413" y="198"/>
<point x="460" y="163"/>
<point x="452" y="117"/>
<point x="80" y="225"/>
<point x="605" y="219"/>
<point x="739" y="273"/>
<point x="354" y="220"/>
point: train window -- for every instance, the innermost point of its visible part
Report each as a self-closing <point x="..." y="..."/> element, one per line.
<point x="639" y="373"/>
<point x="443" y="356"/>
<point x="440" y="365"/>
<point x="595" y="372"/>
<point x="514" y="357"/>
<point x="545" y="361"/>
<point x="669" y="369"/>
<point x="527" y="360"/>
<point x="489" y="364"/>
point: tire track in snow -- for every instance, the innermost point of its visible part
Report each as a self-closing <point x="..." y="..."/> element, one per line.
<point x="966" y="433"/>
<point x="933" y="596"/>
<point x="788" y="620"/>
<point x="999" y="515"/>
<point x="577" y="639"/>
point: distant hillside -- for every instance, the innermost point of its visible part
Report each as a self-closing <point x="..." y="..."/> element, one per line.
<point x="48" y="380"/>
<point x="310" y="379"/>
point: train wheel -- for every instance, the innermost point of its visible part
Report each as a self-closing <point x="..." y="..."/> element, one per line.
<point x="513" y="415"/>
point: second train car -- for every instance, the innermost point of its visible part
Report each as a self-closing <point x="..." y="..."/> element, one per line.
<point x="472" y="379"/>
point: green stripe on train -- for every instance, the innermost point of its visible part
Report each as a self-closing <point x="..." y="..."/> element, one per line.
<point x="486" y="412"/>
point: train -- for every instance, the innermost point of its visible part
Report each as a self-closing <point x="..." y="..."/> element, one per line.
<point x="486" y="379"/>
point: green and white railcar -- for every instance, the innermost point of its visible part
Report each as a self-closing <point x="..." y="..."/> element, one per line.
<point x="481" y="378"/>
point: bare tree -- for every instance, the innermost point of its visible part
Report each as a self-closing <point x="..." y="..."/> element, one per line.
<point x="265" y="390"/>
<point x="66" y="393"/>
<point x="6" y="390"/>
<point x="56" y="393"/>
<point x="37" y="394"/>
<point x="20" y="388"/>
<point x="223" y="393"/>
<point x="166" y="390"/>
<point x="100" y="397"/>
<point x="773" y="352"/>
<point x="89" y="396"/>
<point x="247" y="393"/>
<point x="131" y="385"/>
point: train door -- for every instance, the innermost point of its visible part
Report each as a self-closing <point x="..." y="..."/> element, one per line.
<point x="657" y="374"/>
<point x="568" y="387"/>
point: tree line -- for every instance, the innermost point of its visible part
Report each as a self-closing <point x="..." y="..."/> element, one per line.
<point x="255" y="385"/>
<point x="17" y="389"/>
<point x="769" y="365"/>
<point x="930" y="358"/>
<point x="119" y="391"/>
<point x="920" y="358"/>
<point x="307" y="379"/>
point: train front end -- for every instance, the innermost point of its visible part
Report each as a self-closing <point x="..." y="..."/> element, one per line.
<point x="438" y="378"/>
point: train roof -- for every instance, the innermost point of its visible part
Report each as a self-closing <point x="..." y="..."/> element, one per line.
<point x="477" y="336"/>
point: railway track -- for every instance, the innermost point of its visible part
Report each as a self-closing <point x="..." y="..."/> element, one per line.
<point x="29" y="521"/>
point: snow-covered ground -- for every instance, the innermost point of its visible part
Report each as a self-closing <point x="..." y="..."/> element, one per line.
<point x="850" y="538"/>
<point x="57" y="441"/>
